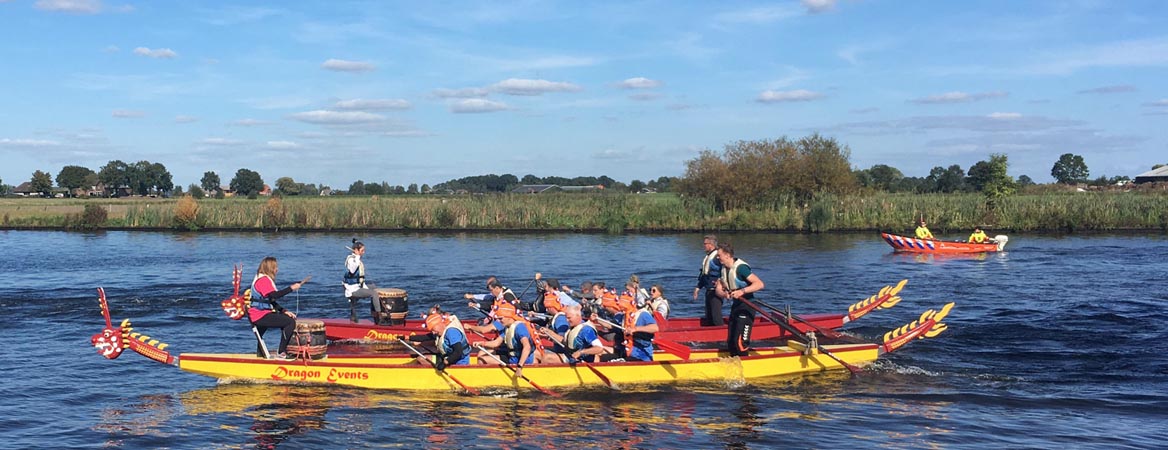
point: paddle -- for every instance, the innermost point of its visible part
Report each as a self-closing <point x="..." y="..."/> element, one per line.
<point x="473" y="391"/>
<point x="551" y="334"/>
<point x="676" y="349"/>
<point x="829" y="333"/>
<point x="533" y="280"/>
<point x="508" y="367"/>
<point x="790" y="329"/>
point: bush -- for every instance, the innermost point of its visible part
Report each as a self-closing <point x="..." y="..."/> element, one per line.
<point x="186" y="213"/>
<point x="274" y="214"/>
<point x="93" y="216"/>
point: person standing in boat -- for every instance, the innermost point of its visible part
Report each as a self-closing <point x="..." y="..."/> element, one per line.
<point x="707" y="281"/>
<point x="356" y="288"/>
<point x="449" y="339"/>
<point x="264" y="312"/>
<point x="978" y="236"/>
<point x="923" y="231"/>
<point x="738" y="282"/>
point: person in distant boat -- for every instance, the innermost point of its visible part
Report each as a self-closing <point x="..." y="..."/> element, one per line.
<point x="265" y="312"/>
<point x="448" y="337"/>
<point x="923" y="231"/>
<point x="356" y="288"/>
<point x="516" y="344"/>
<point x="658" y="304"/>
<point x="707" y="280"/>
<point x="738" y="282"/>
<point x="978" y="236"/>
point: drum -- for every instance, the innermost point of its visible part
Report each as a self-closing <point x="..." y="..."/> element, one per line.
<point x="394" y="305"/>
<point x="309" y="339"/>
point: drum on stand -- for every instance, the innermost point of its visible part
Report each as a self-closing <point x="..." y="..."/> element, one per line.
<point x="394" y="305"/>
<point x="309" y="339"/>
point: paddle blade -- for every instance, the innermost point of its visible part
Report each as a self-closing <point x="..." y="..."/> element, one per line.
<point x="676" y="349"/>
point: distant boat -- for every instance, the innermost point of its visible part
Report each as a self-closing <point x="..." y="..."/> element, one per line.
<point x="915" y="245"/>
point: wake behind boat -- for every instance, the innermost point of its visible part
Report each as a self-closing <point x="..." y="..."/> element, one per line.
<point x="916" y="245"/>
<point x="399" y="372"/>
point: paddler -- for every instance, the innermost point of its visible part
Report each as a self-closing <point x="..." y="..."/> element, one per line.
<point x="557" y="326"/>
<point x="448" y="336"/>
<point x="636" y="324"/>
<point x="707" y="282"/>
<point x="501" y="296"/>
<point x="483" y="302"/>
<point x="516" y="344"/>
<point x="579" y="342"/>
<point x="658" y="304"/>
<point x="737" y="282"/>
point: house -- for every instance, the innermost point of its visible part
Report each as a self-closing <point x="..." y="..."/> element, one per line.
<point x="326" y="192"/>
<point x="25" y="190"/>
<point x="589" y="188"/>
<point x="535" y="189"/>
<point x="267" y="190"/>
<point x="1152" y="176"/>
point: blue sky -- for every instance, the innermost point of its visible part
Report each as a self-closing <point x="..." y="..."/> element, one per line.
<point x="422" y="92"/>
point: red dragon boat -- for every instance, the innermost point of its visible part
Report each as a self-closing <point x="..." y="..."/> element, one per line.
<point x="914" y="245"/>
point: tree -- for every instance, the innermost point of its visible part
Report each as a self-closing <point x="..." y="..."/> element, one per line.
<point x="882" y="176"/>
<point x="160" y="179"/>
<point x="73" y="177"/>
<point x="357" y="188"/>
<point x="210" y="181"/>
<point x="425" y="188"/>
<point x="997" y="183"/>
<point x="247" y="183"/>
<point x="375" y="188"/>
<point x="412" y="189"/>
<point x="196" y="191"/>
<point x="1024" y="180"/>
<point x="947" y="180"/>
<point x="41" y="182"/>
<point x="178" y="192"/>
<point x="1070" y="169"/>
<point x="288" y="186"/>
<point x="115" y="175"/>
<point x="636" y="186"/>
<point x="530" y="179"/>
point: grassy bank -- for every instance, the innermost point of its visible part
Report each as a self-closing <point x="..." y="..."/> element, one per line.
<point x="614" y="213"/>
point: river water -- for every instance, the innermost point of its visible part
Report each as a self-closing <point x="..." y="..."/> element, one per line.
<point x="1058" y="342"/>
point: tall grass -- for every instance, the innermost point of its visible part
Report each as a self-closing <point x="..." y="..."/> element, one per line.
<point x="613" y="213"/>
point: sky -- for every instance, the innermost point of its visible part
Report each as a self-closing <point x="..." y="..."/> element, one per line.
<point x="336" y="91"/>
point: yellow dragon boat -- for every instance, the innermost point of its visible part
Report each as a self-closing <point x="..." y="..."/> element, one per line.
<point x="401" y="372"/>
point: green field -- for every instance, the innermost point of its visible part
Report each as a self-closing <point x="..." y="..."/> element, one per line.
<point x="603" y="212"/>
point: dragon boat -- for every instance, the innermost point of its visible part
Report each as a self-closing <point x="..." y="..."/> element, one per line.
<point x="401" y="372"/>
<point x="914" y="245"/>
<point x="682" y="329"/>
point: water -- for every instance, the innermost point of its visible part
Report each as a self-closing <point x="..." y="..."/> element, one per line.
<point x="1059" y="341"/>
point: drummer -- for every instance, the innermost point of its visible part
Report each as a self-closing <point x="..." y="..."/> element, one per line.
<point x="448" y="336"/>
<point x="264" y="312"/>
<point x="356" y="288"/>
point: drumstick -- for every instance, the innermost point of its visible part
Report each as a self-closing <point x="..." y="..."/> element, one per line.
<point x="305" y="280"/>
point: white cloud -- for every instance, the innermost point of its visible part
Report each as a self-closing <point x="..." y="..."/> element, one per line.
<point x="111" y="49"/>
<point x="127" y="114"/>
<point x="341" y="65"/>
<point x="959" y="97"/>
<point x="867" y="110"/>
<point x="1161" y="102"/>
<point x="326" y="117"/>
<point x="639" y="83"/>
<point x="69" y="6"/>
<point x="185" y="119"/>
<point x="1004" y="115"/>
<point x="221" y="142"/>
<point x="461" y="93"/>
<point x="360" y="104"/>
<point x="818" y="6"/>
<point x="1151" y="52"/>
<point x="1115" y="89"/>
<point x="158" y="53"/>
<point x="250" y="122"/>
<point x="760" y="15"/>
<point x="798" y="95"/>
<point x="28" y="143"/>
<point x="477" y="105"/>
<point x="521" y="86"/>
<point x="282" y="145"/>
<point x="645" y="96"/>
<point x="613" y="154"/>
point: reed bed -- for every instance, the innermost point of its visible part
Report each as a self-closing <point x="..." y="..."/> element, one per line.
<point x="606" y="212"/>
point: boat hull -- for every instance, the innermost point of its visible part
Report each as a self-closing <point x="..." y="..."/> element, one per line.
<point x="387" y="372"/>
<point x="686" y="329"/>
<point x="914" y="245"/>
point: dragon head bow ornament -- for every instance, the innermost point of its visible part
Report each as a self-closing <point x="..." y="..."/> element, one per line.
<point x="111" y="341"/>
<point x="236" y="305"/>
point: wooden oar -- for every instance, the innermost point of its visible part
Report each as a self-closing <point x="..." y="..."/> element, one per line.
<point x="794" y="331"/>
<point x="508" y="367"/>
<point x="826" y="332"/>
<point x="555" y="337"/>
<point x="473" y="391"/>
<point x="676" y="349"/>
